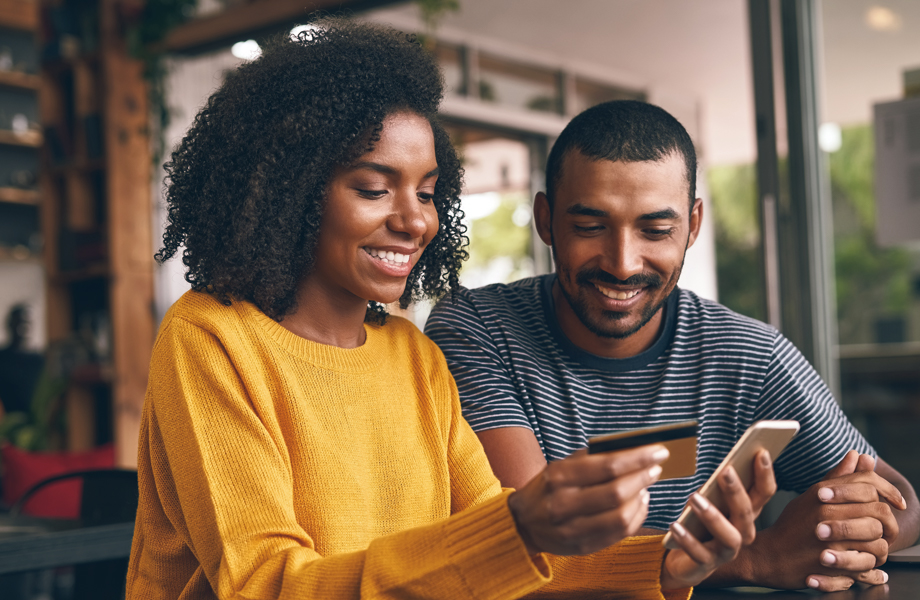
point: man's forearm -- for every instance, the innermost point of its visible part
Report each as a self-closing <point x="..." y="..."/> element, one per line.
<point x="737" y="572"/>
<point x="908" y="519"/>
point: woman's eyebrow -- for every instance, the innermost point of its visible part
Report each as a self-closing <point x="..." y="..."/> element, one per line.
<point x="385" y="169"/>
<point x="379" y="168"/>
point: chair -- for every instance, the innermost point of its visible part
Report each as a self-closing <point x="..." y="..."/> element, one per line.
<point x="108" y="496"/>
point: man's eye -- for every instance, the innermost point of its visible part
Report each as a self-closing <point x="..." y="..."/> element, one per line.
<point x="660" y="232"/>
<point x="588" y="228"/>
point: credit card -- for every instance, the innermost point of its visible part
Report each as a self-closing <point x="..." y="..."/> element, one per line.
<point x="679" y="438"/>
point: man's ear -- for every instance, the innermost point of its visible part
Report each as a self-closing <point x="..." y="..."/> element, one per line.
<point x="543" y="218"/>
<point x="696" y="219"/>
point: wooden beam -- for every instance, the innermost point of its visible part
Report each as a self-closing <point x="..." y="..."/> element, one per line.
<point x="19" y="14"/>
<point x="130" y="230"/>
<point x="252" y="19"/>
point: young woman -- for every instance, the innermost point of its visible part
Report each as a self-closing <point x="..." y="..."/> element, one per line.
<point x="299" y="443"/>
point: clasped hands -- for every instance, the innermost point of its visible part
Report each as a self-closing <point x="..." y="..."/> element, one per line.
<point x="585" y="503"/>
<point x="833" y="535"/>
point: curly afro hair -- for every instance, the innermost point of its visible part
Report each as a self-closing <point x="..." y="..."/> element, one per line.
<point x="246" y="186"/>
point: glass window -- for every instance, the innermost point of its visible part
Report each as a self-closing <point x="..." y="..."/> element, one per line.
<point x="518" y="85"/>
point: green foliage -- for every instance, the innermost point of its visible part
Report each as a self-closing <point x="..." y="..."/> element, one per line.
<point x="144" y="36"/>
<point x="435" y="10"/>
<point x="872" y="281"/>
<point x="38" y="428"/>
<point x="734" y="210"/>
<point x="495" y="236"/>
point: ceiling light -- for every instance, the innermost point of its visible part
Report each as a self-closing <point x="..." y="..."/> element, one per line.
<point x="880" y="18"/>
<point x="248" y="50"/>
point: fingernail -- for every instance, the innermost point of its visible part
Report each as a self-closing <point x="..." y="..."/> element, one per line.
<point x="654" y="472"/>
<point x="678" y="529"/>
<point x="903" y="502"/>
<point x="700" y="502"/>
<point x="661" y="454"/>
<point x="826" y="494"/>
<point x="884" y="576"/>
<point x="823" y="531"/>
<point x="646" y="497"/>
<point x="813" y="583"/>
<point x="765" y="458"/>
<point x="828" y="558"/>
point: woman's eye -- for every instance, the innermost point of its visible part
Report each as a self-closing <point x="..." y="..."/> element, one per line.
<point x="372" y="194"/>
<point x="425" y="197"/>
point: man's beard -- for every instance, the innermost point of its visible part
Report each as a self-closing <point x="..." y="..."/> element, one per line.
<point x="580" y="305"/>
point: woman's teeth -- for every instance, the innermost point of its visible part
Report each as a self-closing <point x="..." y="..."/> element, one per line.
<point x="394" y="258"/>
<point x="616" y="295"/>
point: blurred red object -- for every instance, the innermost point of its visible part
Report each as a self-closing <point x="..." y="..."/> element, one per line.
<point x="23" y="469"/>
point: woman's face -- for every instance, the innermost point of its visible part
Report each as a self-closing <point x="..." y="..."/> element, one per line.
<point x="379" y="215"/>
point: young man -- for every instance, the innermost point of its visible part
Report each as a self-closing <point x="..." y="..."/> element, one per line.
<point x="609" y="343"/>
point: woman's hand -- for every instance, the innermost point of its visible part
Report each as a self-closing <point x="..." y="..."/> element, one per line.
<point x="586" y="502"/>
<point x="695" y="560"/>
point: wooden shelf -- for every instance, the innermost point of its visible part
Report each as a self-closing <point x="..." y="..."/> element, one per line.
<point x="17" y="79"/>
<point x="19" y="196"/>
<point x="30" y="139"/>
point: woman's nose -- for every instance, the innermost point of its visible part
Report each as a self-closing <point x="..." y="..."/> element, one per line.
<point x="411" y="216"/>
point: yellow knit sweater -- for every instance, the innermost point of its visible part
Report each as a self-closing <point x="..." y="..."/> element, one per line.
<point x="274" y="467"/>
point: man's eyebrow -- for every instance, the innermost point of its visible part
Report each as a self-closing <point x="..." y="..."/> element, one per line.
<point x="585" y="211"/>
<point x="660" y="215"/>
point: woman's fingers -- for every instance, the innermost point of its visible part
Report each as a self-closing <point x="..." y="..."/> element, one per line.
<point x="583" y="470"/>
<point x="568" y="501"/>
<point x="586" y="502"/>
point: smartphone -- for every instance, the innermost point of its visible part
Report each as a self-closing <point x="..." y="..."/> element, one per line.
<point x="772" y="436"/>
<point x="679" y="438"/>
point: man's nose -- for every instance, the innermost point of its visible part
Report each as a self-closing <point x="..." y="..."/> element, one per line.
<point x="623" y="256"/>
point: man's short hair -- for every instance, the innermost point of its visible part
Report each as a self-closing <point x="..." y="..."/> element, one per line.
<point x="626" y="130"/>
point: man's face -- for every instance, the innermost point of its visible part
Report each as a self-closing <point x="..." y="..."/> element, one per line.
<point x="619" y="232"/>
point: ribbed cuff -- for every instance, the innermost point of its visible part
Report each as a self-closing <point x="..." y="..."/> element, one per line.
<point x="485" y="542"/>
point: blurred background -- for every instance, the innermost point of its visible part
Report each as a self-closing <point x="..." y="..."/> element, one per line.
<point x="805" y="114"/>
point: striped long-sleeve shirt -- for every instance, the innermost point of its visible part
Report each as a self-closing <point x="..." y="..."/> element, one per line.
<point x="515" y="368"/>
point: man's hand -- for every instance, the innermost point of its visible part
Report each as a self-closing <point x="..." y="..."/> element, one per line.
<point x="695" y="561"/>
<point x="834" y="534"/>
<point x="586" y="502"/>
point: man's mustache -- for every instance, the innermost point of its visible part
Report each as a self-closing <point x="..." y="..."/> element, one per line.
<point x="588" y="276"/>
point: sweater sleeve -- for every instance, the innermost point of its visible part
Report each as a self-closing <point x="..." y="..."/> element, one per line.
<point x="215" y="478"/>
